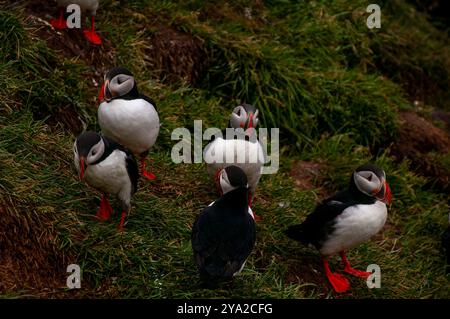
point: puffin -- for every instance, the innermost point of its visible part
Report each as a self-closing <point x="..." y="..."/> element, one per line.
<point x="244" y="142"/>
<point x="128" y="117"/>
<point x="90" y="6"/>
<point x="108" y="167"/>
<point x="224" y="234"/>
<point x="346" y="220"/>
<point x="446" y="245"/>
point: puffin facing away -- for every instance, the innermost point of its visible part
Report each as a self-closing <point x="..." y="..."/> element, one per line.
<point x="89" y="6"/>
<point x="224" y="235"/>
<point x="247" y="151"/>
<point x="128" y="117"/>
<point x="109" y="168"/>
<point x="347" y="219"/>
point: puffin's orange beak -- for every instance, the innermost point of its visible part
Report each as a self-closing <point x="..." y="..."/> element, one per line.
<point x="82" y="161"/>
<point x="217" y="179"/>
<point x="101" y="94"/>
<point x="387" y="193"/>
<point x="250" y="120"/>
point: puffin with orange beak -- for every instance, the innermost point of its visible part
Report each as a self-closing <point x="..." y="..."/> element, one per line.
<point x="240" y="147"/>
<point x="224" y="235"/>
<point x="109" y="168"/>
<point x="346" y="220"/>
<point x="128" y="117"/>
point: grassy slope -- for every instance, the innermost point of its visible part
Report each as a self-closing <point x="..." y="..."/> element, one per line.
<point x="313" y="70"/>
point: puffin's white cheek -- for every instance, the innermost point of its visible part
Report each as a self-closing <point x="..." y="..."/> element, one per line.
<point x="225" y="186"/>
<point x="90" y="159"/>
<point x="96" y="152"/>
<point x="76" y="160"/>
<point x="93" y="158"/>
<point x="365" y="185"/>
<point x="121" y="85"/>
<point x="374" y="187"/>
<point x="235" y="120"/>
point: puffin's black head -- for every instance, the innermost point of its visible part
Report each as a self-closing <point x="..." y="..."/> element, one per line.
<point x="88" y="148"/>
<point x="118" y="83"/>
<point x="231" y="178"/>
<point x="244" y="116"/>
<point x="370" y="180"/>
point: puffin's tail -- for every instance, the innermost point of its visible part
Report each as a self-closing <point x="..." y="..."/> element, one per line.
<point x="297" y="232"/>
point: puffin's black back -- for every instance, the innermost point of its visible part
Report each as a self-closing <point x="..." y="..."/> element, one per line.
<point x="320" y="223"/>
<point x="224" y="235"/>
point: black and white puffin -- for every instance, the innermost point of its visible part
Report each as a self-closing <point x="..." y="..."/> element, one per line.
<point x="224" y="235"/>
<point x="347" y="219"/>
<point x="245" y="149"/>
<point x="128" y="117"/>
<point x="109" y="168"/>
<point x="446" y="245"/>
<point x="89" y="6"/>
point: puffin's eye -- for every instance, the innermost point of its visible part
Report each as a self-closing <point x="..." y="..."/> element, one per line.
<point x="369" y="178"/>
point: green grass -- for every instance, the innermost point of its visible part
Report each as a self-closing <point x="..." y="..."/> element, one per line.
<point x="315" y="72"/>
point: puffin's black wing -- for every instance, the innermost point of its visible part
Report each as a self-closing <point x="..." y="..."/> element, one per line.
<point x="132" y="169"/>
<point x="202" y="246"/>
<point x="130" y="161"/>
<point x="149" y="100"/>
<point x="319" y="224"/>
<point x="220" y="244"/>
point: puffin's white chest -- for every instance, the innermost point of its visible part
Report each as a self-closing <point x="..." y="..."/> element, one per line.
<point x="356" y="225"/>
<point x="249" y="156"/>
<point x="110" y="175"/>
<point x="132" y="123"/>
<point x="88" y="5"/>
